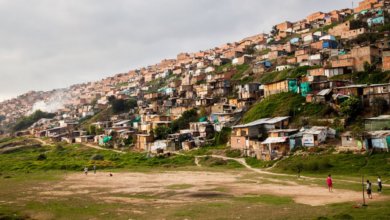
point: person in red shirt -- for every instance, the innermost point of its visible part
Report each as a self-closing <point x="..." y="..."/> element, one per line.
<point x="330" y="183"/>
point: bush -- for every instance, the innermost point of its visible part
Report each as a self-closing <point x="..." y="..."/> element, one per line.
<point x="120" y="105"/>
<point x="41" y="157"/>
<point x="233" y="153"/>
<point x="162" y="132"/>
<point x="351" y="107"/>
<point x="97" y="157"/>
<point x="222" y="137"/>
<point x="27" y="121"/>
<point x="184" y="121"/>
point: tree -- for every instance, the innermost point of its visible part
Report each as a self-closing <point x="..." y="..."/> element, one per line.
<point x="223" y="136"/>
<point x="184" y="121"/>
<point x="162" y="132"/>
<point x="275" y="30"/>
<point x="27" y="121"/>
<point x="92" y="130"/>
<point x="128" y="141"/>
<point x="121" y="105"/>
<point x="351" y="107"/>
<point x="369" y="67"/>
<point x="379" y="105"/>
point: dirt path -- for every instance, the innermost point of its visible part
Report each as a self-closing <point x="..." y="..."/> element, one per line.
<point x="43" y="142"/>
<point x="197" y="162"/>
<point x="101" y="148"/>
<point x="261" y="171"/>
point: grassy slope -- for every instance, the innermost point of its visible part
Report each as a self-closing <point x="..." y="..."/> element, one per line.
<point x="365" y="78"/>
<point x="75" y="157"/>
<point x="283" y="104"/>
<point x="344" y="164"/>
<point x="284" y="74"/>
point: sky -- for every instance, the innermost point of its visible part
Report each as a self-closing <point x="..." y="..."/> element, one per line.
<point x="48" y="44"/>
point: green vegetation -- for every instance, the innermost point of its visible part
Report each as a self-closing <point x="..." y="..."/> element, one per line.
<point x="266" y="199"/>
<point x="27" y="121"/>
<point x="242" y="68"/>
<point x="285" y="74"/>
<point x="119" y="85"/>
<point x="103" y="115"/>
<point x="206" y="150"/>
<point x="246" y="79"/>
<point x="273" y="76"/>
<point x="372" y="77"/>
<point x="224" y="68"/>
<point x="233" y="153"/>
<point x="180" y="186"/>
<point x="283" y="104"/>
<point x="162" y="132"/>
<point x="324" y="162"/>
<point x="120" y="105"/>
<point x="184" y="121"/>
<point x="75" y="157"/>
<point x="253" y="162"/>
<point x="218" y="162"/>
<point x="351" y="107"/>
<point x="366" y="37"/>
<point x="222" y="137"/>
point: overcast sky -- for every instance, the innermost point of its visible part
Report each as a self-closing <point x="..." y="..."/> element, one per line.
<point x="47" y="44"/>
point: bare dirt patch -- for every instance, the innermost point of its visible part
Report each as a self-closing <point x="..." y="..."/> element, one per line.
<point x="136" y="188"/>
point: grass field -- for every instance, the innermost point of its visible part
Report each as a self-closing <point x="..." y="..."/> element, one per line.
<point x="47" y="182"/>
<point x="22" y="196"/>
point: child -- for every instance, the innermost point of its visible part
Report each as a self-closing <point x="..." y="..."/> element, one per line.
<point x="330" y="183"/>
<point x="379" y="184"/>
<point x="368" y="187"/>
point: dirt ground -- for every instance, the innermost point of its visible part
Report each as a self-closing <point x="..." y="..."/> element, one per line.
<point x="186" y="186"/>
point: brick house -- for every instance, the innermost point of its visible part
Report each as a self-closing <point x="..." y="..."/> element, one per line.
<point x="370" y="92"/>
<point x="315" y="16"/>
<point x="386" y="61"/>
<point x="340" y="29"/>
<point x="277" y="87"/>
<point x="352" y="33"/>
<point x="364" y="54"/>
<point x="243" y="135"/>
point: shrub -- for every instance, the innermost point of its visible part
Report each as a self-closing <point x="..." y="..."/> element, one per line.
<point x="97" y="157"/>
<point x="120" y="105"/>
<point x="233" y="153"/>
<point x="184" y="121"/>
<point x="27" y="121"/>
<point x="223" y="136"/>
<point x="41" y="157"/>
<point x="351" y="107"/>
<point x="162" y="132"/>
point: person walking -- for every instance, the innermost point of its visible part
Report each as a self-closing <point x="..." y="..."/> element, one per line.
<point x="329" y="182"/>
<point x="86" y="170"/>
<point x="379" y="184"/>
<point x="369" y="189"/>
<point x="94" y="169"/>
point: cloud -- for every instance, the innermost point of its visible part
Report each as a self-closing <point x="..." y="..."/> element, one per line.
<point x="52" y="44"/>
